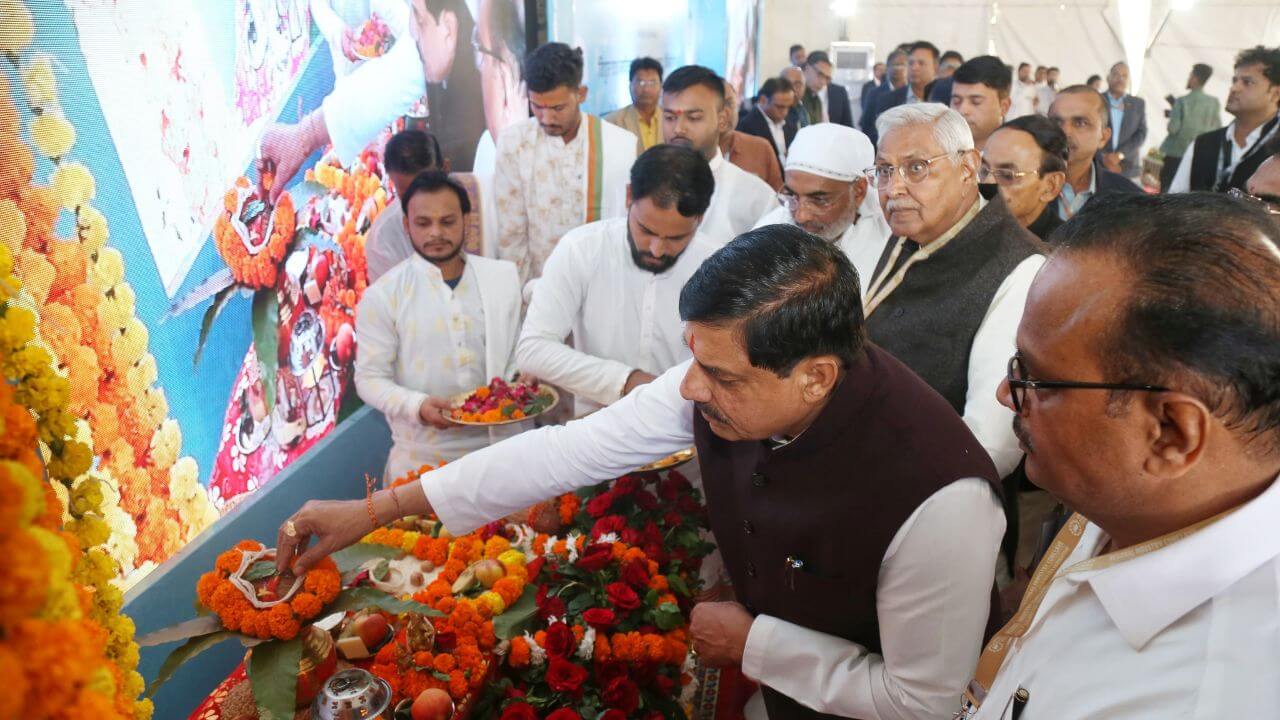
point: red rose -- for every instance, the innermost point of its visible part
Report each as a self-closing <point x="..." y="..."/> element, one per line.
<point x="636" y="573"/>
<point x="549" y="605"/>
<point x="622" y="596"/>
<point x="665" y="686"/>
<point x="535" y="567"/>
<point x="600" y="504"/>
<point x="625" y="485"/>
<point x="613" y="715"/>
<point x="646" y="500"/>
<point x="519" y="711"/>
<point x="631" y="536"/>
<point x="596" y="557"/>
<point x="674" y="484"/>
<point x="621" y="694"/>
<point x="607" y="671"/>
<point x="564" y="714"/>
<point x="600" y="618"/>
<point x="560" y="640"/>
<point x="687" y="505"/>
<point x="608" y="524"/>
<point x="564" y="676"/>
<point x="673" y="519"/>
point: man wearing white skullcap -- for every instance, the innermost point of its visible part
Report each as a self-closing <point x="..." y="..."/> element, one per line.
<point x="825" y="193"/>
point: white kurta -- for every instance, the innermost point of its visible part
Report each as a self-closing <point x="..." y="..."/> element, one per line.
<point x="540" y="188"/>
<point x="622" y="318"/>
<point x="863" y="243"/>
<point x="740" y="199"/>
<point x="419" y="338"/>
<point x="1191" y="630"/>
<point x="933" y="591"/>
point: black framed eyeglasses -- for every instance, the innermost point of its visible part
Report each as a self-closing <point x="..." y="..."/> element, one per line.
<point x="1019" y="383"/>
<point x="1269" y="204"/>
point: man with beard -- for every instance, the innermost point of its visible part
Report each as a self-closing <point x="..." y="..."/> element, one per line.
<point x="826" y="194"/>
<point x="1225" y="158"/>
<point x="558" y="169"/>
<point x="438" y="324"/>
<point x="855" y="512"/>
<point x="694" y="114"/>
<point x="614" y="285"/>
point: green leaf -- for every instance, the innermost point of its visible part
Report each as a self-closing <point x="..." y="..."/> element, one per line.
<point x="260" y="570"/>
<point x="349" y="559"/>
<point x="579" y="604"/>
<point x="508" y="410"/>
<point x="266" y="340"/>
<point x="220" y="300"/>
<point x="668" y="617"/>
<point x="363" y="597"/>
<point x="440" y="676"/>
<point x="273" y="673"/>
<point x="380" y="571"/>
<point x="182" y="654"/>
<point x="677" y="583"/>
<point x="515" y="619"/>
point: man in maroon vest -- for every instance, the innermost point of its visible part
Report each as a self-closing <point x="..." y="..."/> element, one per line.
<point x="858" y="517"/>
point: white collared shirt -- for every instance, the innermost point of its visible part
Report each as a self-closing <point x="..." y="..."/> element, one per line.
<point x="779" y="134"/>
<point x="1025" y="98"/>
<point x="419" y="338"/>
<point x="740" y="199"/>
<point x="1191" y="630"/>
<point x="622" y="318"/>
<point x="1182" y="179"/>
<point x="933" y="592"/>
<point x="826" y="112"/>
<point x="863" y="243"/>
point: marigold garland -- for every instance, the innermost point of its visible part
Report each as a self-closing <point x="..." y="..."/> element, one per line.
<point x="259" y="266"/>
<point x="283" y="621"/>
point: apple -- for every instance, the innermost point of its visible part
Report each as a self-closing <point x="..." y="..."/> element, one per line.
<point x="432" y="704"/>
<point x="489" y="572"/>
<point x="371" y="629"/>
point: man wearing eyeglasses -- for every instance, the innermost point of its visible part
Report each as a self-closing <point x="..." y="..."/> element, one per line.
<point x="641" y="116"/>
<point x="1146" y="388"/>
<point x="824" y="101"/>
<point x="949" y="288"/>
<point x="1026" y="162"/>
<point x="826" y="194"/>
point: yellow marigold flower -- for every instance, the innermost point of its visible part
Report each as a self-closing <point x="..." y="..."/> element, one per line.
<point x="101" y="682"/>
<point x="108" y="599"/>
<point x="91" y="225"/>
<point x="155" y="407"/>
<point x="130" y="345"/>
<point x="41" y="85"/>
<point x="13" y="228"/>
<point x="142" y="709"/>
<point x="73" y="185"/>
<point x="142" y="375"/>
<point x="166" y="442"/>
<point x="493" y="601"/>
<point x="512" y="558"/>
<point x="62" y="602"/>
<point x="52" y="134"/>
<point x="17" y="29"/>
<point x="74" y="460"/>
<point x="117" y="306"/>
<point x="86" y="497"/>
<point x="92" y="530"/>
<point x="20" y="497"/>
<point x="95" y="568"/>
<point x="17" y="327"/>
<point x="108" y="268"/>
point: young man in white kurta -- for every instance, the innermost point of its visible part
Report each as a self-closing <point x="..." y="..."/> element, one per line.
<point x="544" y="178"/>
<point x="830" y="152"/>
<point x="693" y="115"/>
<point x="615" y="286"/>
<point x="422" y="342"/>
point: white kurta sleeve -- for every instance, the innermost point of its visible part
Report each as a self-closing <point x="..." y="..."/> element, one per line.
<point x="387" y="243"/>
<point x="994" y="343"/>
<point x="557" y="302"/>
<point x="1182" y="178"/>
<point x="370" y="97"/>
<point x="646" y="425"/>
<point x="932" y="600"/>
<point x="511" y="203"/>
<point x="378" y="346"/>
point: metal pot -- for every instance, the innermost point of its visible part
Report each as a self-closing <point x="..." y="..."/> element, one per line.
<point x="353" y="694"/>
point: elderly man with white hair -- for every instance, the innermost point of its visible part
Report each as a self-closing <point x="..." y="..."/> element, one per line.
<point x="826" y="194"/>
<point x="948" y="292"/>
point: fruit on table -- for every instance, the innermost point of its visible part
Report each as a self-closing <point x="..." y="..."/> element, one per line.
<point x="432" y="704"/>
<point x="371" y="629"/>
<point x="489" y="572"/>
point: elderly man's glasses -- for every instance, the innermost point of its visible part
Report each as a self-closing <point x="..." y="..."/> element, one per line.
<point x="914" y="171"/>
<point x="1019" y="383"/>
<point x="1002" y="176"/>
<point x="1269" y="204"/>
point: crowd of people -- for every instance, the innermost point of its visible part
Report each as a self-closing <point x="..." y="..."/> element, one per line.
<point x="953" y="378"/>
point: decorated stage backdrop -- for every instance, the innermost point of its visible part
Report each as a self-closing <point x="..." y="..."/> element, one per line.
<point x="204" y="319"/>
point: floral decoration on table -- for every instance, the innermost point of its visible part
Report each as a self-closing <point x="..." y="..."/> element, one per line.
<point x="501" y="402"/>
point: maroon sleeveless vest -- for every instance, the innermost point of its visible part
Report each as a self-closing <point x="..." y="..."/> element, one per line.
<point x="832" y="500"/>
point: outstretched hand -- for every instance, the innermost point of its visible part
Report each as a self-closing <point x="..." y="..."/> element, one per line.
<point x="323" y="527"/>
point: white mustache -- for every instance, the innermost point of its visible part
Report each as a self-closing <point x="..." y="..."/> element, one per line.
<point x="891" y="205"/>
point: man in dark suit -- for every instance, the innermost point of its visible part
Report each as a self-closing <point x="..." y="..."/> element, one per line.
<point x="823" y="100"/>
<point x="770" y="118"/>
<point x="1082" y="114"/>
<point x="895" y="76"/>
<point x="922" y="69"/>
<point x="1127" y="118"/>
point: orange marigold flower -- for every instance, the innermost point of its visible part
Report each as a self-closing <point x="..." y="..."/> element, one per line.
<point x="445" y="663"/>
<point x="422" y="659"/>
<point x="306" y="605"/>
<point x="205" y="587"/>
<point x="509" y="589"/>
<point x="284" y="625"/>
<point x="658" y="582"/>
<point x="458" y="685"/>
<point x="495" y="546"/>
<point x="601" y="652"/>
<point x="229" y="561"/>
